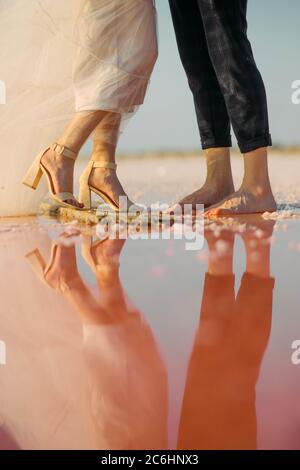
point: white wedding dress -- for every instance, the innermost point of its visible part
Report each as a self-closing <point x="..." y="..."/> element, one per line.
<point x="61" y="57"/>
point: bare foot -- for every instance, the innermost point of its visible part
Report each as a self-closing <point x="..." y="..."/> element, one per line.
<point x="61" y="170"/>
<point x="244" y="202"/>
<point x="208" y="195"/>
<point x="108" y="181"/>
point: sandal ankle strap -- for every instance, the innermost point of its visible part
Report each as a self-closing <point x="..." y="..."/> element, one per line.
<point x="62" y="150"/>
<point x="109" y="165"/>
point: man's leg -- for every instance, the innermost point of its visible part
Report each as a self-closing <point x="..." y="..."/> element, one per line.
<point x="210" y="106"/>
<point x="225" y="28"/>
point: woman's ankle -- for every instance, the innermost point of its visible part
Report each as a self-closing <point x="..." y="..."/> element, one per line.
<point x="103" y="152"/>
<point x="70" y="145"/>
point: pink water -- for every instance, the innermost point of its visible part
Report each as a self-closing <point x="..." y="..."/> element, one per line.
<point x="143" y="344"/>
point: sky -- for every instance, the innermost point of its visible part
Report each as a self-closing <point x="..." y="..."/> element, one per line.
<point x="167" y="120"/>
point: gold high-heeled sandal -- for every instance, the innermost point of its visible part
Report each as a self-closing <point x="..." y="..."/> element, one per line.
<point x="37" y="170"/>
<point x="86" y="189"/>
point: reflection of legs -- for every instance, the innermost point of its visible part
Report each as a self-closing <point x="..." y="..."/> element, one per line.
<point x="258" y="250"/>
<point x="103" y="258"/>
<point x="254" y="300"/>
<point x="220" y="262"/>
<point x="212" y="115"/>
<point x="127" y="377"/>
<point x="254" y="316"/>
<point x="207" y="419"/>
<point x="254" y="313"/>
<point x="64" y="276"/>
<point x="219" y="402"/>
<point x="77" y="132"/>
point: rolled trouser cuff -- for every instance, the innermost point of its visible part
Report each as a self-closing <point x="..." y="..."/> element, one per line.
<point x="214" y="143"/>
<point x="254" y="144"/>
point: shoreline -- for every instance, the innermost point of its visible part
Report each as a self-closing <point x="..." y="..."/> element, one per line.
<point x="168" y="154"/>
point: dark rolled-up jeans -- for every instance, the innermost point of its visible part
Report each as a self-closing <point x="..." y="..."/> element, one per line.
<point x="222" y="73"/>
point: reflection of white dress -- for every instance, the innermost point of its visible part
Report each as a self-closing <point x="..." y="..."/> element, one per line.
<point x="58" y="58"/>
<point x="128" y="385"/>
<point x="66" y="385"/>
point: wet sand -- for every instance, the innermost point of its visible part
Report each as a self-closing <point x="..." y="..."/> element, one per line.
<point x="143" y="344"/>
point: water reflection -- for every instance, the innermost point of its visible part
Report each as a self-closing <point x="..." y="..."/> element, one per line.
<point x="126" y="379"/>
<point x="85" y="369"/>
<point x="218" y="410"/>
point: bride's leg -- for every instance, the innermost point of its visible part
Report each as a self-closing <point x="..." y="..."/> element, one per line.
<point x="74" y="136"/>
<point x="105" y="139"/>
<point x="64" y="277"/>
